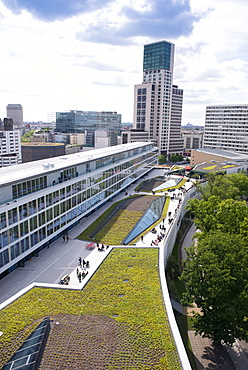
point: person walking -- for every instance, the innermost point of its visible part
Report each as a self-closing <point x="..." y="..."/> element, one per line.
<point x="142" y="238"/>
<point x="80" y="261"/>
<point x="79" y="277"/>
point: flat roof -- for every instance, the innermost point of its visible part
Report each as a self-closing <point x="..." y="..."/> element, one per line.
<point x="42" y="144"/>
<point x="213" y="166"/>
<point x="224" y="153"/>
<point x="21" y="171"/>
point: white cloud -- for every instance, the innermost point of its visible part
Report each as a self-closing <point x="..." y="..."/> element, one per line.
<point x="56" y="66"/>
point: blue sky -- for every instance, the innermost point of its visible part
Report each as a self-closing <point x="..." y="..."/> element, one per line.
<point x="58" y="55"/>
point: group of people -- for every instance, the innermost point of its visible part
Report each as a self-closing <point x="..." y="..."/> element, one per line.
<point x="82" y="263"/>
<point x="65" y="238"/>
<point x="159" y="238"/>
<point x="65" y="280"/>
<point x="81" y="275"/>
<point x="101" y="247"/>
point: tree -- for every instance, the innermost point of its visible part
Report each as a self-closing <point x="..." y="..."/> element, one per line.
<point x="173" y="158"/>
<point x="203" y="212"/>
<point x="162" y="158"/>
<point x="240" y="180"/>
<point x="227" y="215"/>
<point x="180" y="157"/>
<point x="219" y="185"/>
<point x="26" y="137"/>
<point x="216" y="277"/>
<point x="215" y="270"/>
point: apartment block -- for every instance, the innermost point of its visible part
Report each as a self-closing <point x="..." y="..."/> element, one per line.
<point x="226" y="127"/>
<point x="10" y="144"/>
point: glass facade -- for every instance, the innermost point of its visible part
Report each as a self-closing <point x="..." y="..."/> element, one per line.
<point x="79" y="121"/>
<point x="157" y="56"/>
<point x="149" y="218"/>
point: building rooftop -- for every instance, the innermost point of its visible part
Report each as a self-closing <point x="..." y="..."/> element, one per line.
<point x="224" y="153"/>
<point x="213" y="166"/>
<point x="42" y="144"/>
<point x="31" y="169"/>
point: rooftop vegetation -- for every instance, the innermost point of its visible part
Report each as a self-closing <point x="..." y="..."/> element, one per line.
<point x="113" y="227"/>
<point x="126" y="288"/>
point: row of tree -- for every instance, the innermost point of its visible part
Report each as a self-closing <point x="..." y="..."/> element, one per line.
<point x="216" y="268"/>
<point x="26" y="137"/>
<point x="173" y="158"/>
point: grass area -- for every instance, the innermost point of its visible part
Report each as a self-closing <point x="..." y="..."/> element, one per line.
<point x="107" y="233"/>
<point x="118" y="227"/>
<point x="115" y="231"/>
<point x="125" y="288"/>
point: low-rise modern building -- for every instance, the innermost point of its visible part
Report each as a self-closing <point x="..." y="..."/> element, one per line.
<point x="10" y="144"/>
<point x="133" y="136"/>
<point x="40" y="201"/>
<point x="218" y="155"/>
<point x="41" y="150"/>
<point x="226" y="127"/>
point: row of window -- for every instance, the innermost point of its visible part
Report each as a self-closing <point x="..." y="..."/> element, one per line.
<point x="71" y="208"/>
<point x="28" y="187"/>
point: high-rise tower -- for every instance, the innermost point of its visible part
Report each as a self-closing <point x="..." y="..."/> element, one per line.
<point x="15" y="112"/>
<point x="157" y="104"/>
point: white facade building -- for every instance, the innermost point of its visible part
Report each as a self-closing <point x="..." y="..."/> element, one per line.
<point x="226" y="127"/>
<point x="192" y="141"/>
<point x="40" y="201"/>
<point x="10" y="144"/>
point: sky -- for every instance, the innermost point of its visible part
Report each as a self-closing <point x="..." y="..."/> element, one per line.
<point x="60" y="55"/>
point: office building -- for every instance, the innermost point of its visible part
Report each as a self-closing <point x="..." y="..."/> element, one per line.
<point x="226" y="127"/>
<point x="40" y="201"/>
<point x="15" y="112"/>
<point x="175" y="142"/>
<point x="10" y="144"/>
<point x="191" y="141"/>
<point x="157" y="103"/>
<point x="81" y="121"/>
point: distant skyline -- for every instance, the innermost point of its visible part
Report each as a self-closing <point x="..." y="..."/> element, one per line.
<point x="59" y="55"/>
